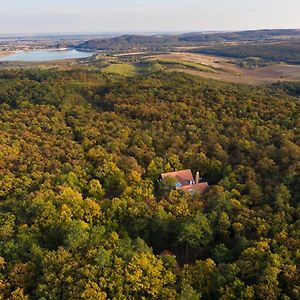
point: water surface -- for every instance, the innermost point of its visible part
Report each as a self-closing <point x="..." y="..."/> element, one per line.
<point x="45" y="55"/>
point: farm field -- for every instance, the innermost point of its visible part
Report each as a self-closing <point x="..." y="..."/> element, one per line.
<point x="227" y="69"/>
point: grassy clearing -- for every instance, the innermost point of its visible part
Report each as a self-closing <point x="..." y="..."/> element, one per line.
<point x="187" y="64"/>
<point x="122" y="69"/>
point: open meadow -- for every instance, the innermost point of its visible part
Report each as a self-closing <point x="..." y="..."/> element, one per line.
<point x="227" y="69"/>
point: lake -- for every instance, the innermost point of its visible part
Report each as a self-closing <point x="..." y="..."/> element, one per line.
<point x="45" y="55"/>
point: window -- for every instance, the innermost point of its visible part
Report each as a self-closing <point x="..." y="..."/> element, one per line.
<point x="178" y="184"/>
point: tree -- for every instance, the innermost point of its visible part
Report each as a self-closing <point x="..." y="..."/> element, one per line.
<point x="195" y="232"/>
<point x="154" y="169"/>
<point x="188" y="293"/>
<point x="18" y="294"/>
<point x="146" y="276"/>
<point x="95" y="189"/>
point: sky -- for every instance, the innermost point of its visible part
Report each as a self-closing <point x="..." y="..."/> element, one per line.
<point x="45" y="16"/>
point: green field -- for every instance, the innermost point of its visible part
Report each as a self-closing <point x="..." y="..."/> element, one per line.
<point x="122" y="69"/>
<point x="185" y="64"/>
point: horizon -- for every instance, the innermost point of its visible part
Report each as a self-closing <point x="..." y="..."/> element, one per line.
<point x="92" y="16"/>
<point x="118" y="33"/>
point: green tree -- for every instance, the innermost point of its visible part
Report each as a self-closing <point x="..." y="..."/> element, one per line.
<point x="195" y="232"/>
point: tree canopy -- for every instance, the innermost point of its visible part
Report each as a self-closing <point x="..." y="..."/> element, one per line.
<point x="82" y="215"/>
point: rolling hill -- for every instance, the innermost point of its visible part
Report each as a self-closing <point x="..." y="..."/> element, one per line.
<point x="154" y="42"/>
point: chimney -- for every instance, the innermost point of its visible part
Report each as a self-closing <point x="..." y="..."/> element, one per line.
<point x="197" y="177"/>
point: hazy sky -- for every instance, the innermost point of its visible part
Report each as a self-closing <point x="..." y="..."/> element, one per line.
<point x="25" y="16"/>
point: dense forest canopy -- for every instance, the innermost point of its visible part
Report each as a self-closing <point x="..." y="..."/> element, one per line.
<point x="83" y="217"/>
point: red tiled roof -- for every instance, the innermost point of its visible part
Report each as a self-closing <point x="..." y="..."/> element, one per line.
<point x="183" y="176"/>
<point x="200" y="187"/>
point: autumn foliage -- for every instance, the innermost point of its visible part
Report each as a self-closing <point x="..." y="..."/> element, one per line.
<point x="82" y="215"/>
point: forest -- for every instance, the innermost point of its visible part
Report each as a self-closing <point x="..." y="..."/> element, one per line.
<point x="288" y="52"/>
<point x="82" y="215"/>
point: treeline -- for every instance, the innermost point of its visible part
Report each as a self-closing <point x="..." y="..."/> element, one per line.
<point x="83" y="217"/>
<point x="291" y="88"/>
<point x="288" y="52"/>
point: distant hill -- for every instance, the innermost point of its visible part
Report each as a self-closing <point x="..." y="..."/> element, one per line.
<point x="249" y="35"/>
<point x="157" y="42"/>
<point x="288" y="52"/>
<point x="129" y="42"/>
